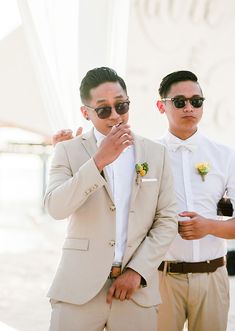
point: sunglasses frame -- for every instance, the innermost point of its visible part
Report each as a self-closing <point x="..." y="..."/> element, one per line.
<point x="184" y="99"/>
<point x="109" y="109"/>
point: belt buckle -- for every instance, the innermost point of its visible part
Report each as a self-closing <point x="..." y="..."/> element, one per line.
<point x="168" y="269"/>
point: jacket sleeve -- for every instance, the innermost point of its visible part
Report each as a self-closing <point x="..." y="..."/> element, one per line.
<point x="66" y="191"/>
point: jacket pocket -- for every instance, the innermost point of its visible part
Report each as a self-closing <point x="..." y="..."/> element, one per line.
<point x="81" y="244"/>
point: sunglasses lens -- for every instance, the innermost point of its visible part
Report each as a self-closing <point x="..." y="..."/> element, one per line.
<point x="122" y="108"/>
<point x="103" y="112"/>
<point x="197" y="102"/>
<point x="179" y="103"/>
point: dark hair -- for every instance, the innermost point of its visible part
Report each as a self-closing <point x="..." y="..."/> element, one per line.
<point x="175" y="77"/>
<point x="97" y="76"/>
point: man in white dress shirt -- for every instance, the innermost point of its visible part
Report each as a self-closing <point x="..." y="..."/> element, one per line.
<point x="193" y="278"/>
<point x="116" y="188"/>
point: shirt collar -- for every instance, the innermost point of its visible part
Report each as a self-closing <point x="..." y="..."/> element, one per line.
<point x="98" y="136"/>
<point x="192" y="141"/>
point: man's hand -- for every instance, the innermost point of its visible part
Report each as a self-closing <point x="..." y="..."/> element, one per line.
<point x="195" y="228"/>
<point x="113" y="144"/>
<point x="64" y="135"/>
<point x="124" y="286"/>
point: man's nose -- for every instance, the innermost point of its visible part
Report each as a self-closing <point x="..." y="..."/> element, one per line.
<point x="114" y="114"/>
<point x="188" y="107"/>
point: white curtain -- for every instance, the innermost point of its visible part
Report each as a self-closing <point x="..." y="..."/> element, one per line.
<point x="103" y="33"/>
<point x="68" y="38"/>
<point x="118" y="35"/>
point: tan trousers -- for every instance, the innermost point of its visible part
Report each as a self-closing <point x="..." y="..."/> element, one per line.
<point x="97" y="314"/>
<point x="202" y="299"/>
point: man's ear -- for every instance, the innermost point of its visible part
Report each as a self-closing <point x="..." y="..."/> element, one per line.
<point x="84" y="112"/>
<point x="160" y="106"/>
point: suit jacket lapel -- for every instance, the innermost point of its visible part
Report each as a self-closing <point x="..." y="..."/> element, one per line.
<point x="107" y="186"/>
<point x="139" y="158"/>
<point x="89" y="143"/>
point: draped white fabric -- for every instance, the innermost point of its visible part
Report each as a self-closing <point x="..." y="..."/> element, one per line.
<point x="68" y="38"/>
<point x="103" y="32"/>
<point x="51" y="28"/>
<point x="119" y="19"/>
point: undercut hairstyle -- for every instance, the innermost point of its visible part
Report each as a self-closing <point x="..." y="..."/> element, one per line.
<point x="175" y="77"/>
<point x="98" y="76"/>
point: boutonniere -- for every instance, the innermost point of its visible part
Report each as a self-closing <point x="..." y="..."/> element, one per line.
<point x="141" y="170"/>
<point x="203" y="168"/>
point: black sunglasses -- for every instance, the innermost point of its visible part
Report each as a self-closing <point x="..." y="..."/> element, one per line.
<point x="180" y="102"/>
<point x="104" y="112"/>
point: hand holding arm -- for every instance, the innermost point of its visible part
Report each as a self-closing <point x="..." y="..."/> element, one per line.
<point x="124" y="286"/>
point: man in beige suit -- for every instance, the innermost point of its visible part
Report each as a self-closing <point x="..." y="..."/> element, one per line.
<point x="116" y="188"/>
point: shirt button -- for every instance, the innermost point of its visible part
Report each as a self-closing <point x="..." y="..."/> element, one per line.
<point x="112" y="243"/>
<point x="112" y="208"/>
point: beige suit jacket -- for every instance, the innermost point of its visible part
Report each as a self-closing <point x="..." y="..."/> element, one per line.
<point x="77" y="190"/>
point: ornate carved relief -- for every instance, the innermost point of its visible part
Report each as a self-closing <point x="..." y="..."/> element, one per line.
<point x="157" y="19"/>
<point x="220" y="79"/>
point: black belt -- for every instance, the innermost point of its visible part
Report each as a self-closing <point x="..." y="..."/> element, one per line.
<point x="192" y="267"/>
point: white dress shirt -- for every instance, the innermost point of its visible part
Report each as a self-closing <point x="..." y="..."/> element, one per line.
<point x="120" y="178"/>
<point x="194" y="194"/>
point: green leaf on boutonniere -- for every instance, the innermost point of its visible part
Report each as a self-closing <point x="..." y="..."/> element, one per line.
<point x="141" y="170"/>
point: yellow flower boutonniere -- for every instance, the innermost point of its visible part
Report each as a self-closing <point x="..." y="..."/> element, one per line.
<point x="203" y="168"/>
<point x="141" y="170"/>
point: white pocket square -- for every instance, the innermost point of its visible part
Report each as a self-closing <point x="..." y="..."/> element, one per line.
<point x="149" y="179"/>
